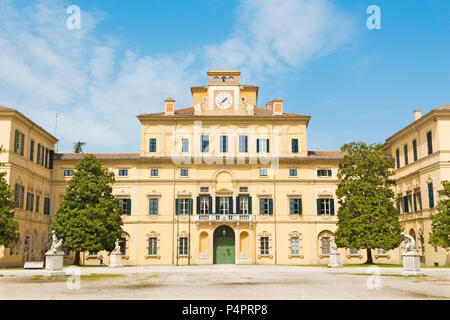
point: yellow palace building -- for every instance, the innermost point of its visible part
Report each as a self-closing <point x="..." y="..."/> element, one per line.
<point x="222" y="181"/>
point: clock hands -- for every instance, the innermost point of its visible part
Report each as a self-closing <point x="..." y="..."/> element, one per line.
<point x="224" y="100"/>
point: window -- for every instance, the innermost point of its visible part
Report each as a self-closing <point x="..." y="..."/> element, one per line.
<point x="184" y="206"/>
<point x="243" y="144"/>
<point x="204" y="189"/>
<point x="223" y="143"/>
<point x="354" y="251"/>
<point x="430" y="195"/>
<point x="414" y="143"/>
<point x="93" y="253"/>
<point x="19" y="194"/>
<point x="46" y="157"/>
<point x="295" y="206"/>
<point x="397" y="157"/>
<point x="405" y="204"/>
<point x="123" y="246"/>
<point x="19" y="141"/>
<point x="429" y="142"/>
<point x="294" y="143"/>
<point x="262" y="145"/>
<point x="153" y="206"/>
<point x="243" y="205"/>
<point x="295" y="245"/>
<point x="405" y="151"/>
<point x="265" y="206"/>
<point x="184" y="172"/>
<point x="326" y="244"/>
<point x="204" y="205"/>
<point x="125" y="205"/>
<point x="381" y="252"/>
<point x="264" y="242"/>
<point x="243" y="189"/>
<point x="184" y="145"/>
<point x="183" y="248"/>
<point x="32" y="150"/>
<point x="38" y="200"/>
<point x="46" y="205"/>
<point x="68" y="173"/>
<point x="40" y="154"/>
<point x="154" y="172"/>
<point x="292" y="172"/>
<point x="263" y="172"/>
<point x="204" y="142"/>
<point x="152" y="147"/>
<point x="224" y="207"/>
<point x="417" y="201"/>
<point x="123" y="172"/>
<point x="325" y="206"/>
<point x="152" y="246"/>
<point x="30" y="201"/>
<point x="324" y="173"/>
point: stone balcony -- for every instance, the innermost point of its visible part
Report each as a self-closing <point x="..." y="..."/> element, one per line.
<point x="224" y="218"/>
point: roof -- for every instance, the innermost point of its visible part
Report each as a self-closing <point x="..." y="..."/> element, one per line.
<point x="312" y="155"/>
<point x="423" y="118"/>
<point x="189" y="112"/>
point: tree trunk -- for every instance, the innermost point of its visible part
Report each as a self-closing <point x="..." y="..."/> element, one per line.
<point x="77" y="258"/>
<point x="369" y="256"/>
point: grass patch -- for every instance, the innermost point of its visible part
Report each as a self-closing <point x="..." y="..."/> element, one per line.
<point x="382" y="265"/>
<point x="46" y="278"/>
<point x="99" y="276"/>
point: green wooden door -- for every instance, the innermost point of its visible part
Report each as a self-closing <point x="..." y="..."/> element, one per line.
<point x="224" y="246"/>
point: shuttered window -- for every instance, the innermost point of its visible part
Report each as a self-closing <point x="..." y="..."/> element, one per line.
<point x="125" y="205"/>
<point x="294" y="143"/>
<point x="295" y="206"/>
<point x="397" y="157"/>
<point x="325" y="206"/>
<point x="46" y="205"/>
<point x="265" y="206"/>
<point x="405" y="151"/>
<point x="429" y="142"/>
<point x="223" y="143"/>
<point x="153" y="206"/>
<point x="430" y="195"/>
<point x="414" y="143"/>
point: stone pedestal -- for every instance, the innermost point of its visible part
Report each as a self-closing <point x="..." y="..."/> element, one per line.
<point x="115" y="260"/>
<point x="54" y="262"/>
<point x="335" y="260"/>
<point x="411" y="264"/>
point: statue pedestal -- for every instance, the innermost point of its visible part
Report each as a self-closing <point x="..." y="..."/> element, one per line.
<point x="411" y="264"/>
<point x="54" y="263"/>
<point x="115" y="260"/>
<point x="335" y="260"/>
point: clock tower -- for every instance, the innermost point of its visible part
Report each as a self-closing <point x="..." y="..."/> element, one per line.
<point x="224" y="94"/>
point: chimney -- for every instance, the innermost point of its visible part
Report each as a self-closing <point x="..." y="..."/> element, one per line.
<point x="169" y="105"/>
<point x="277" y="106"/>
<point x="269" y="105"/>
<point x="417" y="114"/>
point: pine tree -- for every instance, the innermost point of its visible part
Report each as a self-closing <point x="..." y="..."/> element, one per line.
<point x="367" y="217"/>
<point x="440" y="221"/>
<point x="8" y="226"/>
<point x="89" y="217"/>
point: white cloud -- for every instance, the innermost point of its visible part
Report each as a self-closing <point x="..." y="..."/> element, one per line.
<point x="98" y="88"/>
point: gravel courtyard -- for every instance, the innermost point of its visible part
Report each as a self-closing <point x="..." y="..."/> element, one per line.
<point x="225" y="282"/>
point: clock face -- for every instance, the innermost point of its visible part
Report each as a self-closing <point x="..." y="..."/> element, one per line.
<point x="224" y="100"/>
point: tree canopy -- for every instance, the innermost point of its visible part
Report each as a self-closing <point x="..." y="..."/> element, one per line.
<point x="440" y="221"/>
<point x="367" y="217"/>
<point x="89" y="217"/>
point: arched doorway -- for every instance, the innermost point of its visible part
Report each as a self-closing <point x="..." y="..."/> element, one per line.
<point x="224" y="245"/>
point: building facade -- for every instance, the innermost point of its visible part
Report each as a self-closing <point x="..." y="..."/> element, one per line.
<point x="222" y="181"/>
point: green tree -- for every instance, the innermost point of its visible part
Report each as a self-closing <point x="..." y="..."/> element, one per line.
<point x="367" y="217"/>
<point x="78" y="147"/>
<point x="440" y="221"/>
<point x="8" y="226"/>
<point x="89" y="217"/>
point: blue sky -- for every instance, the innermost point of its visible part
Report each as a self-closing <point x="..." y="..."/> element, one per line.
<point x="319" y="56"/>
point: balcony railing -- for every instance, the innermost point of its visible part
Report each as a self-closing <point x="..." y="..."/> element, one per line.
<point x="224" y="218"/>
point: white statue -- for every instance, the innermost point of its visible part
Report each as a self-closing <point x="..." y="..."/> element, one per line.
<point x="117" y="247"/>
<point x="333" y="247"/>
<point x="56" y="244"/>
<point x="409" y="243"/>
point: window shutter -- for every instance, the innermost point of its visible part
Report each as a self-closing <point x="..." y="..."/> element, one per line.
<point x="51" y="159"/>
<point x="249" y="205"/>
<point x="177" y="206"/>
<point x="329" y="173"/>
<point x="230" y="205"/>
<point x="429" y="143"/>
<point x="128" y="206"/>
<point x="270" y="206"/>
<point x="267" y="149"/>
<point x="156" y="206"/>
<point x="217" y="205"/>
<point x="430" y="195"/>
<point x="210" y="209"/>
<point x="22" y="141"/>
<point x="261" y="205"/>
<point x="292" y="205"/>
<point x="238" y="205"/>
<point x="191" y="204"/>
<point x="300" y="206"/>
<point x="405" y="204"/>
<point x="198" y="205"/>
<point x="257" y="145"/>
<point x="318" y="173"/>
<point x="16" y="141"/>
<point x="319" y="206"/>
<point x="332" y="206"/>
